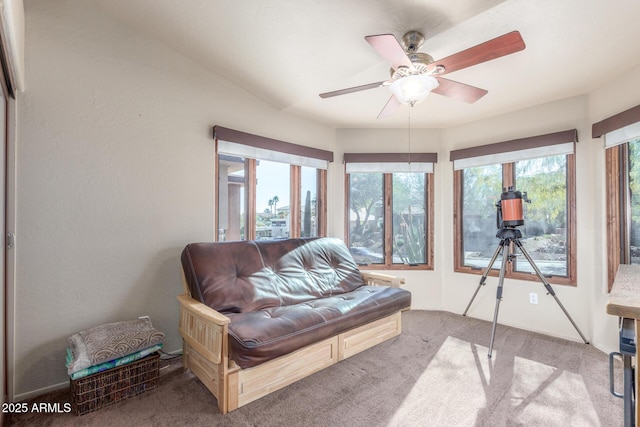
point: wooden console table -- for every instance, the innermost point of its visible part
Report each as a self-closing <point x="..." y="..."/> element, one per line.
<point x="624" y="302"/>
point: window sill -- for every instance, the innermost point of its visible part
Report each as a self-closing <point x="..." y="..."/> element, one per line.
<point x="394" y="267"/>
<point x="531" y="277"/>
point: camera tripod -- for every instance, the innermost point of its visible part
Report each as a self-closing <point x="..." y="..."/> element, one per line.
<point x="508" y="235"/>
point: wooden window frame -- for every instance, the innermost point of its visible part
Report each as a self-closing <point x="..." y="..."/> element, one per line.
<point x="616" y="161"/>
<point x="388" y="220"/>
<point x="615" y="168"/>
<point x="508" y="178"/>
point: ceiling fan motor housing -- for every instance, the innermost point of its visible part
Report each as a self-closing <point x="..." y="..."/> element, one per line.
<point x="412" y="41"/>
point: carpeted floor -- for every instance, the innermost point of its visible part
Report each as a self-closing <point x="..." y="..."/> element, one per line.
<point x="435" y="374"/>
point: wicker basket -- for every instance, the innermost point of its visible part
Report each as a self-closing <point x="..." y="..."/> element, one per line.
<point x="104" y="388"/>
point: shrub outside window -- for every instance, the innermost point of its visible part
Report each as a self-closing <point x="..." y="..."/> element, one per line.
<point x="480" y="187"/>
<point x="309" y="202"/>
<point x="389" y="211"/>
<point x="544" y="235"/>
<point x="366" y="218"/>
<point x="633" y="166"/>
<point x="409" y="218"/>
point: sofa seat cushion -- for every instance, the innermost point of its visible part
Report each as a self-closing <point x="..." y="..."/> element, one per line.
<point x="259" y="336"/>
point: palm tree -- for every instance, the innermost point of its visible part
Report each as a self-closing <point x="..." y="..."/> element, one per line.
<point x="270" y="203"/>
<point x="275" y="199"/>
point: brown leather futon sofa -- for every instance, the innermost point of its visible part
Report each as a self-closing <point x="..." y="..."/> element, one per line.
<point x="259" y="315"/>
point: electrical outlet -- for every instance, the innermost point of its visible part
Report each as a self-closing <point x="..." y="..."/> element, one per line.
<point x="533" y="298"/>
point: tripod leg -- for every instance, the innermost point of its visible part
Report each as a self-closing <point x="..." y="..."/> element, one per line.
<point x="548" y="287"/>
<point x="503" y="269"/>
<point x="484" y="276"/>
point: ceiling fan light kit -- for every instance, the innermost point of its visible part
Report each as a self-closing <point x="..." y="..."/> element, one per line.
<point x="413" y="89"/>
<point x="415" y="74"/>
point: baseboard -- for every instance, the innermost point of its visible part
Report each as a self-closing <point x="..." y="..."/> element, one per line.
<point x="177" y="352"/>
<point x="35" y="393"/>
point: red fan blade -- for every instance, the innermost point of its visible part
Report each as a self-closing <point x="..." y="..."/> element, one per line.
<point x="500" y="46"/>
<point x="390" y="107"/>
<point x="388" y="47"/>
<point x="459" y="91"/>
<point x="352" y="89"/>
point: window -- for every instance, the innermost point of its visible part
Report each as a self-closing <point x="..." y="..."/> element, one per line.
<point x="389" y="212"/>
<point x="627" y="210"/>
<point x="273" y="182"/>
<point x="309" y="202"/>
<point x="543" y="167"/>
<point x="409" y="227"/>
<point x="366" y="217"/>
<point x="632" y="246"/>
<point x="268" y="189"/>
<point x="622" y="142"/>
<point x="480" y="187"/>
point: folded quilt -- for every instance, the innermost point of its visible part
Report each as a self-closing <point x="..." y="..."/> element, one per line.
<point x="112" y="341"/>
<point x="112" y="363"/>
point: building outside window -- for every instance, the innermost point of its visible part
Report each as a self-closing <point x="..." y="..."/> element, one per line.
<point x="268" y="189"/>
<point x="273" y="182"/>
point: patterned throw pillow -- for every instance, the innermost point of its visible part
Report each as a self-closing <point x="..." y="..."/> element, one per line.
<point x="111" y="341"/>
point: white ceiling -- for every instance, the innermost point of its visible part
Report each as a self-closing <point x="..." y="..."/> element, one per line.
<point x="286" y="52"/>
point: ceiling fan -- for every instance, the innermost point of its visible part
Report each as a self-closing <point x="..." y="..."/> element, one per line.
<point x="415" y="74"/>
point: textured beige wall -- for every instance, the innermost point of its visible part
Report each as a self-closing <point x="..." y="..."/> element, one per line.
<point x="115" y="176"/>
<point x="515" y="309"/>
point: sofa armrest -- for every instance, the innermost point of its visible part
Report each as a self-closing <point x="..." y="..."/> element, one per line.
<point x="203" y="328"/>
<point x="379" y="279"/>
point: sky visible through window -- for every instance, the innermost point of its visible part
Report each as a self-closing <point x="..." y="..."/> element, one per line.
<point x="273" y="179"/>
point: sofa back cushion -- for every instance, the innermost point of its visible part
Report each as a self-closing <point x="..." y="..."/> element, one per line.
<point x="242" y="276"/>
